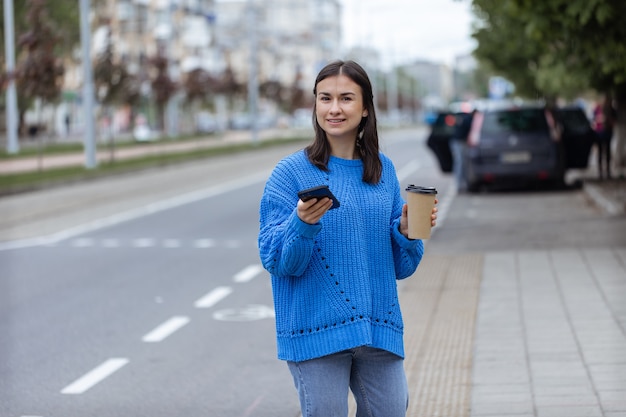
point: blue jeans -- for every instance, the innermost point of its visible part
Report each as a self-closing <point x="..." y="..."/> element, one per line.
<point x="376" y="378"/>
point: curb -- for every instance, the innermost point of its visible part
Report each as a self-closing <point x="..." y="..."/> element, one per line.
<point x="598" y="198"/>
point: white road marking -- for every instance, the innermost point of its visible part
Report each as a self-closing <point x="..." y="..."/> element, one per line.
<point x="250" y="313"/>
<point x="248" y="273"/>
<point x="83" y="242"/>
<point x="138" y="212"/>
<point x="95" y="376"/>
<point x="165" y="329"/>
<point x="213" y="297"/>
<point x="407" y="170"/>
<point x="143" y="243"/>
<point x="204" y="243"/>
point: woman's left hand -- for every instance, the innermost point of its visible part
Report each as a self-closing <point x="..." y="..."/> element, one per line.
<point x="404" y="220"/>
<point x="433" y="216"/>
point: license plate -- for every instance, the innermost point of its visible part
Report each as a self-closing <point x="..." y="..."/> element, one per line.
<point x="515" y="157"/>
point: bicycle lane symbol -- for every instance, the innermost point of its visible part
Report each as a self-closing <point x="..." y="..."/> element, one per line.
<point x="251" y="312"/>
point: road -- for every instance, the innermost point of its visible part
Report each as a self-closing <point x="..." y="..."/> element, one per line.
<point x="162" y="309"/>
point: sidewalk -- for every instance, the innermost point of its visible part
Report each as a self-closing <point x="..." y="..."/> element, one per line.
<point x="523" y="334"/>
<point x="26" y="164"/>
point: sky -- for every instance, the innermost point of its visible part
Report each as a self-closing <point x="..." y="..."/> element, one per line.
<point x="406" y="30"/>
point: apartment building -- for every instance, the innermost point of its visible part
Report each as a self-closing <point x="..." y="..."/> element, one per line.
<point x="290" y="39"/>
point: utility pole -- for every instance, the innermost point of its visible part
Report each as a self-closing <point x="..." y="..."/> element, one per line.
<point x="171" y="107"/>
<point x="88" y="87"/>
<point x="13" y="145"/>
<point x="253" y="82"/>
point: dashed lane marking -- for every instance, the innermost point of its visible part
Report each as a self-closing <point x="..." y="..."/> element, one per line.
<point x="138" y="212"/>
<point x="213" y="297"/>
<point x="248" y="273"/>
<point x="95" y="376"/>
<point x="164" y="330"/>
<point x="252" y="312"/>
<point x="147" y="242"/>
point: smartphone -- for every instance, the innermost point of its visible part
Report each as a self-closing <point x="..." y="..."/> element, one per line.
<point x="318" y="192"/>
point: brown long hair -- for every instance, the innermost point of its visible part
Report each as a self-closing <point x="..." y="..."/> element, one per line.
<point x="367" y="136"/>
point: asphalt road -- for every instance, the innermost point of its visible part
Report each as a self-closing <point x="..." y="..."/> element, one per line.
<point x="162" y="309"/>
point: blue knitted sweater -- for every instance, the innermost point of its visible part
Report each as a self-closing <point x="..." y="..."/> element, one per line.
<point x="334" y="282"/>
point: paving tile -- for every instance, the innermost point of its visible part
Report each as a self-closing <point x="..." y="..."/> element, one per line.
<point x="566" y="401"/>
<point x="548" y="337"/>
<point x="502" y="397"/>
<point x="497" y="389"/>
<point x="612" y="395"/>
<point x="614" y="405"/>
<point x="502" y="414"/>
<point x="566" y="411"/>
<point x="583" y="390"/>
<point x="503" y="409"/>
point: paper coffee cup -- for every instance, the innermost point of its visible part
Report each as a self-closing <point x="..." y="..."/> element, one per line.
<point x="420" y="201"/>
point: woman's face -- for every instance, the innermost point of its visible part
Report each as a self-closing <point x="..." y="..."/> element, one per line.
<point x="339" y="107"/>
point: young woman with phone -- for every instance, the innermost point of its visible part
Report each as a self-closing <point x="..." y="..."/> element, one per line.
<point x="338" y="321"/>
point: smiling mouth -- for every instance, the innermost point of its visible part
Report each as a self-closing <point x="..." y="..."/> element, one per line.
<point x="335" y="120"/>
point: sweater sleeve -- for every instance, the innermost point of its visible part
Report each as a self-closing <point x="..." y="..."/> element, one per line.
<point x="285" y="242"/>
<point x="407" y="253"/>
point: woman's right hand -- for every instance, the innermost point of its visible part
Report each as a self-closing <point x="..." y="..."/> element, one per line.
<point x="311" y="211"/>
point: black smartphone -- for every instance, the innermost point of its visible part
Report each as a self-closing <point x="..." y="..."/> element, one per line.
<point x="318" y="192"/>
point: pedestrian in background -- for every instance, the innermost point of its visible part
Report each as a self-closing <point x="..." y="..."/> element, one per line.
<point x="603" y="122"/>
<point x="458" y="144"/>
<point x="338" y="321"/>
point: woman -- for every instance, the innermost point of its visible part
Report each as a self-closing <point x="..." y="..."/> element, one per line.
<point x="334" y="272"/>
<point x="603" y="121"/>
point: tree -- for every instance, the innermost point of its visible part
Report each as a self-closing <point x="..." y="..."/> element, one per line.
<point x="163" y="87"/>
<point x="64" y="15"/>
<point x="111" y="81"/>
<point x="198" y="85"/>
<point x="39" y="73"/>
<point x="557" y="47"/>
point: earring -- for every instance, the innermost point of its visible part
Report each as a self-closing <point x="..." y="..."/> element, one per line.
<point x="359" y="142"/>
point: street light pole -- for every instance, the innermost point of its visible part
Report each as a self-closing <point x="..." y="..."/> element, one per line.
<point x="88" y="87"/>
<point x="253" y="82"/>
<point x="13" y="145"/>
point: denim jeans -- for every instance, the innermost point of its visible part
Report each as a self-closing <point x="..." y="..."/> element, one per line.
<point x="376" y="378"/>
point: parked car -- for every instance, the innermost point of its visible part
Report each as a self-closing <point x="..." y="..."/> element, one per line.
<point x="441" y="131"/>
<point x="517" y="146"/>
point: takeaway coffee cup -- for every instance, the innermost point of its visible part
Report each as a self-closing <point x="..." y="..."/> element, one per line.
<point x="420" y="201"/>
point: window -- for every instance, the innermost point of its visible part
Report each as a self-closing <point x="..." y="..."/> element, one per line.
<point x="522" y="120"/>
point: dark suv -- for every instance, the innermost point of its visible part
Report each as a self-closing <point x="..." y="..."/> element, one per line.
<point x="522" y="145"/>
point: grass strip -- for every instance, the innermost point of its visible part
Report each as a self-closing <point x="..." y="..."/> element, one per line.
<point x="34" y="180"/>
<point x="52" y="148"/>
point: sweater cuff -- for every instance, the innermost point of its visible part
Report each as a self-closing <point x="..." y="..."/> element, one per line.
<point x="403" y="241"/>
<point x="302" y="228"/>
